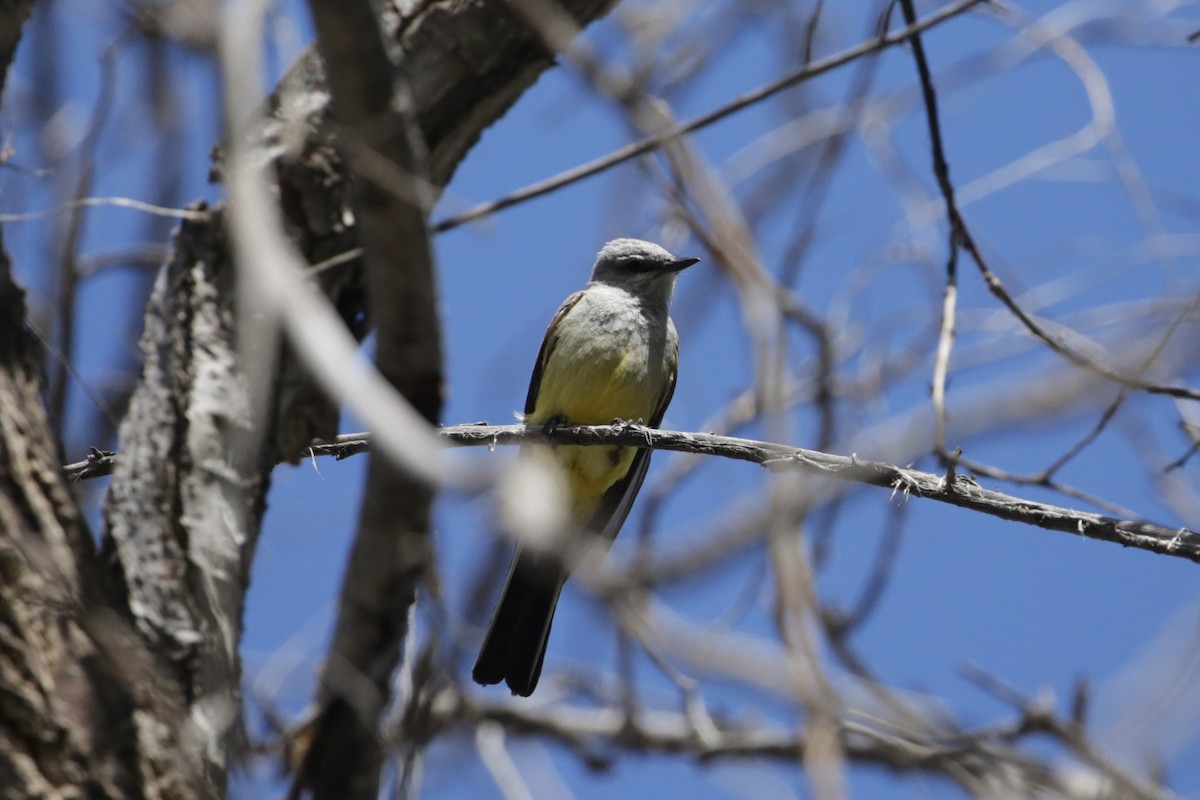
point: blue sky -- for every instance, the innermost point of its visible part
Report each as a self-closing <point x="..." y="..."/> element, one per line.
<point x="1035" y="608"/>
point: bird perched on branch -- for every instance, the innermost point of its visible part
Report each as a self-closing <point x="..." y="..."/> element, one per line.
<point x="611" y="352"/>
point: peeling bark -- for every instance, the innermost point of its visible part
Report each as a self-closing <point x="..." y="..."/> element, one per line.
<point x="183" y="513"/>
<point x="119" y="669"/>
<point x="73" y="683"/>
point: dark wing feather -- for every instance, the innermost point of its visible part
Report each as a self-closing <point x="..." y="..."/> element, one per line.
<point x="515" y="644"/>
<point x="618" y="500"/>
<point x="548" y="343"/>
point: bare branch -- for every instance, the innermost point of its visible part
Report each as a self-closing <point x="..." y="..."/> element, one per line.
<point x="650" y="143"/>
<point x="392" y="554"/>
<point x="963" y="492"/>
<point x="973" y="759"/>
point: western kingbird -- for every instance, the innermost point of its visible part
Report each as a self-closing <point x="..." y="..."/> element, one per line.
<point x="611" y="352"/>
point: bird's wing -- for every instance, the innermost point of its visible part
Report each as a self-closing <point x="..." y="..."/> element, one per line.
<point x="548" y="343"/>
<point x="618" y="500"/>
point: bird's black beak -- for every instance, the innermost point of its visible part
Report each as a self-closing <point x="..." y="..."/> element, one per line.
<point x="679" y="264"/>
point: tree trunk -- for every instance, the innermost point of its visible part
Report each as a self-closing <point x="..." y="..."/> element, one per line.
<point x="119" y="668"/>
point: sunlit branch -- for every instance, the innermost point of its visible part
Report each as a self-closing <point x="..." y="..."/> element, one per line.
<point x="960" y="491"/>
<point x="738" y="104"/>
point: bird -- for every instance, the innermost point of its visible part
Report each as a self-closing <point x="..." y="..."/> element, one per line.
<point x="611" y="352"/>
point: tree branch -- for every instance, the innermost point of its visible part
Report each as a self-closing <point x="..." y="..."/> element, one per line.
<point x="982" y="757"/>
<point x="961" y="491"/>
<point x="391" y="555"/>
<point x="751" y="98"/>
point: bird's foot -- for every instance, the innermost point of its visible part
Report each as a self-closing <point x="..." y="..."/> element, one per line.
<point x="626" y="425"/>
<point x="554" y="423"/>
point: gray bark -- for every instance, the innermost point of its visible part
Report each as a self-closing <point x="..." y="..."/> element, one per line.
<point x="120" y="669"/>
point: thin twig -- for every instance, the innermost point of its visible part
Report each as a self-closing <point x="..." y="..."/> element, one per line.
<point x="1038" y="715"/>
<point x="962" y="237"/>
<point x="958" y="233"/>
<point x="116" y="202"/>
<point x="744" y="101"/>
<point x="958" y="755"/>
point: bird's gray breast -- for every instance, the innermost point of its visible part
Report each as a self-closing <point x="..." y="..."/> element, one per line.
<point x="612" y="322"/>
<point x="612" y="359"/>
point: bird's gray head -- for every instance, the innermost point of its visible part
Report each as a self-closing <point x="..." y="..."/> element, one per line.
<point x="639" y="266"/>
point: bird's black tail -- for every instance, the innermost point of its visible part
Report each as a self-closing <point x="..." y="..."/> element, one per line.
<point x="515" y="644"/>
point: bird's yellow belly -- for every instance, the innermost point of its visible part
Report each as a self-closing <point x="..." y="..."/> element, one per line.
<point x="591" y="471"/>
<point x="587" y="388"/>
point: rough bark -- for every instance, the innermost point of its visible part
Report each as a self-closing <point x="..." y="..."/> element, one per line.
<point x="391" y="555"/>
<point x="50" y="705"/>
<point x="183" y="512"/>
<point x="119" y="670"/>
<point x="81" y="699"/>
<point x="66" y="719"/>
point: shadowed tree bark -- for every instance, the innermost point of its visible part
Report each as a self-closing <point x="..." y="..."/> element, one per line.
<point x="120" y="649"/>
<point x="120" y="666"/>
